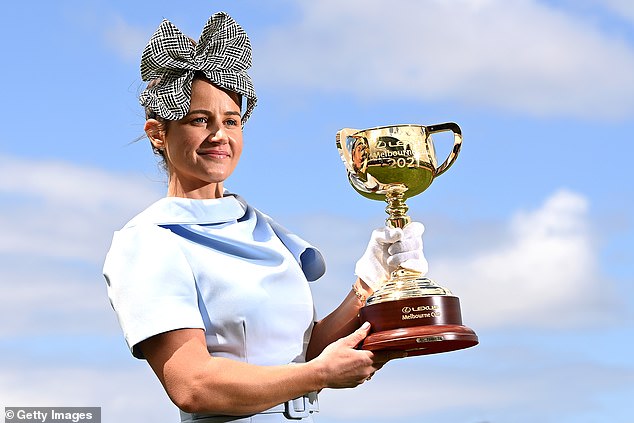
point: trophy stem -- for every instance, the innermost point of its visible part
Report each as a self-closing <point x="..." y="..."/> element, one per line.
<point x="396" y="207"/>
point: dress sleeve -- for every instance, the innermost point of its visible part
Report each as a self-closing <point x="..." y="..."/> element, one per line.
<point x="150" y="284"/>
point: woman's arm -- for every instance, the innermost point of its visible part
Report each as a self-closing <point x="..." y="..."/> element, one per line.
<point x="199" y="383"/>
<point x="341" y="322"/>
<point x="388" y="249"/>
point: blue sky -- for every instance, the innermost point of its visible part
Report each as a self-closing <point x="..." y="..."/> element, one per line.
<point x="532" y="227"/>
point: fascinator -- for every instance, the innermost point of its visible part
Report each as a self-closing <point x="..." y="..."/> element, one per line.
<point x="222" y="54"/>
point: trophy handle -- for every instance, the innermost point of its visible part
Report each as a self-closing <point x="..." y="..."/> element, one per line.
<point x="457" y="135"/>
<point x="342" y="136"/>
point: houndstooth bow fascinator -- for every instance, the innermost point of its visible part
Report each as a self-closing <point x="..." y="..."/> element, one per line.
<point x="223" y="55"/>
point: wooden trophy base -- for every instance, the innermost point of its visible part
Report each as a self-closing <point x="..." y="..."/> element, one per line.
<point x="422" y="325"/>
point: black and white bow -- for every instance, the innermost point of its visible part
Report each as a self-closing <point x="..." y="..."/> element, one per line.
<point x="222" y="54"/>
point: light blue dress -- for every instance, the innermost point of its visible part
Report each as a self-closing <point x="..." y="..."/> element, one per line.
<point x="218" y="265"/>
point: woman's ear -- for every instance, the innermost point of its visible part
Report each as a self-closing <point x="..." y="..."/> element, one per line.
<point x="155" y="132"/>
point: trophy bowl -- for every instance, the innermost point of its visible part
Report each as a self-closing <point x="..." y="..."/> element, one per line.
<point x="408" y="312"/>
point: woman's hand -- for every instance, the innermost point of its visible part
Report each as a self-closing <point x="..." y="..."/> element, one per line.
<point x="199" y="383"/>
<point x="390" y="248"/>
<point x="344" y="366"/>
<point x="407" y="252"/>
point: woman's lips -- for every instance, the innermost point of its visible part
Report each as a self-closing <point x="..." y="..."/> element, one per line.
<point x="220" y="154"/>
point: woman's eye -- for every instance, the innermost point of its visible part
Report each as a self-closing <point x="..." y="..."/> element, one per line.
<point x="200" y="120"/>
<point x="232" y="122"/>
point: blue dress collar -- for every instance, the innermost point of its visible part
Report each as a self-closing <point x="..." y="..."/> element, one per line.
<point x="183" y="211"/>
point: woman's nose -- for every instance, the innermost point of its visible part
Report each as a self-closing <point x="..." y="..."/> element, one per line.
<point x="218" y="134"/>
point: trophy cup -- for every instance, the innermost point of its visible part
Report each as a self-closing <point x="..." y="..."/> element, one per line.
<point x="408" y="312"/>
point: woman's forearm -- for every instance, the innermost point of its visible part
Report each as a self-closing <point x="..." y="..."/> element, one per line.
<point x="341" y="322"/>
<point x="199" y="383"/>
<point x="236" y="388"/>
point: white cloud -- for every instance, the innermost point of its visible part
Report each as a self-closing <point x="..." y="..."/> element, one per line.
<point x="124" y="394"/>
<point x="57" y="224"/>
<point x="125" y="39"/>
<point x="521" y="55"/>
<point x="544" y="274"/>
<point x="450" y="388"/>
<point x="63" y="210"/>
<point x="44" y="298"/>
<point x="623" y="8"/>
<point x="405" y="391"/>
<point x="539" y="269"/>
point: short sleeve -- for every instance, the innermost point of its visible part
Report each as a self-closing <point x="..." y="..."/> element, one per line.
<point x="150" y="284"/>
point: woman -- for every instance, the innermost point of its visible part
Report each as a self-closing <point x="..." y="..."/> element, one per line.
<point x="210" y="291"/>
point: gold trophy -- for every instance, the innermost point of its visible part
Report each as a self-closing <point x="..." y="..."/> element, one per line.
<point x="408" y="312"/>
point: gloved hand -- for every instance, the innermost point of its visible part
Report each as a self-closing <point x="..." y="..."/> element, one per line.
<point x="408" y="251"/>
<point x="388" y="248"/>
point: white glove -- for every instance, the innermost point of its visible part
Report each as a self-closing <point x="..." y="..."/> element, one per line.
<point x="388" y="248"/>
<point x="408" y="251"/>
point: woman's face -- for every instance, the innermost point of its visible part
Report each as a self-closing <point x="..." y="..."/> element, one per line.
<point x="203" y="148"/>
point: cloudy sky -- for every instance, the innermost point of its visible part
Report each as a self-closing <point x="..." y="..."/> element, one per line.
<point x="532" y="227"/>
